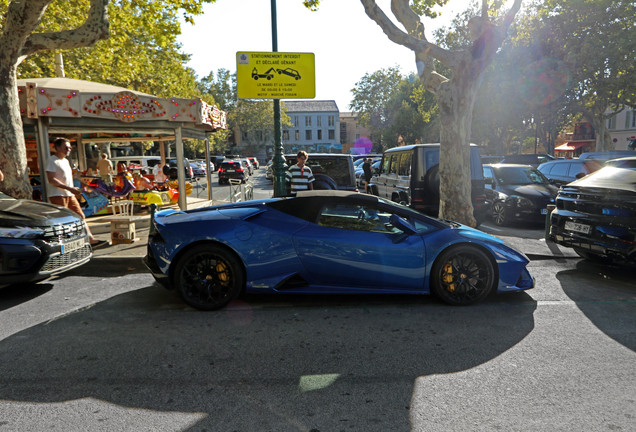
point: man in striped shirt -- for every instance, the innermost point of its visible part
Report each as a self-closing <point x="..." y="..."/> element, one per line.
<point x="300" y="176"/>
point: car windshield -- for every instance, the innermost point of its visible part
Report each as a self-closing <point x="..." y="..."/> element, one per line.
<point x="521" y="175"/>
<point x="336" y="168"/>
<point x="626" y="163"/>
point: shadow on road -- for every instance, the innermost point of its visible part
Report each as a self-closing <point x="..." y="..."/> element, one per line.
<point x="325" y="363"/>
<point x="611" y="307"/>
<point x="15" y="295"/>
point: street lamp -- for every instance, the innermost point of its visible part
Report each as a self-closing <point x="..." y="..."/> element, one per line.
<point x="278" y="164"/>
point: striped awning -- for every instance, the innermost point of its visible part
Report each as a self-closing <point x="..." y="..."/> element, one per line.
<point x="571" y="146"/>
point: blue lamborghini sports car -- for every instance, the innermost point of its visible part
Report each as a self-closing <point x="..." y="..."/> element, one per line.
<point x="326" y="242"/>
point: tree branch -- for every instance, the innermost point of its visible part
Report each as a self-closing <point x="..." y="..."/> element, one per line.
<point x="22" y="18"/>
<point x="95" y="27"/>
<point x="396" y="35"/>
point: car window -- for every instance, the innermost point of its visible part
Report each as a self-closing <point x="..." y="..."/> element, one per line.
<point x="405" y="164"/>
<point x="394" y="164"/>
<point x="385" y="164"/>
<point x="560" y="169"/>
<point x="519" y="176"/>
<point x="337" y="168"/>
<point x="577" y="169"/>
<point x="488" y="176"/>
<point x="545" y="169"/>
<point x="357" y="218"/>
<point x="432" y="159"/>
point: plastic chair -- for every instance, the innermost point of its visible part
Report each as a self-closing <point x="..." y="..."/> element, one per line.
<point x="123" y="208"/>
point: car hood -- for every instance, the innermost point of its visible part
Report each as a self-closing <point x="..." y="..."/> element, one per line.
<point x="530" y="191"/>
<point x="609" y="178"/>
<point x="21" y="213"/>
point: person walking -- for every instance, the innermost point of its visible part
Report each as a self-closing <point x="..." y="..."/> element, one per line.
<point x="300" y="176"/>
<point x="61" y="190"/>
<point x="105" y="168"/>
<point x="368" y="173"/>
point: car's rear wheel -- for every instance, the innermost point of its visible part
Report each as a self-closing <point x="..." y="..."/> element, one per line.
<point x="462" y="275"/>
<point x="209" y="277"/>
<point x="499" y="215"/>
<point x="324" y="182"/>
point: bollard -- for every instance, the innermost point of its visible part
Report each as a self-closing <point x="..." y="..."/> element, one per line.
<point x="548" y="216"/>
<point x="153" y="209"/>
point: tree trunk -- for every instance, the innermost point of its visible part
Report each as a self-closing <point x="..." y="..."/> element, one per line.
<point x="456" y="99"/>
<point x="13" y="160"/>
<point x="603" y="137"/>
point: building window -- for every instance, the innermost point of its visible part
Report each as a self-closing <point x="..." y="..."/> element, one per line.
<point x="308" y="135"/>
<point x="244" y="136"/>
<point x="319" y="133"/>
<point x="296" y="121"/>
<point x="633" y="118"/>
<point x="332" y="121"/>
<point x="318" y="121"/>
<point x="259" y="135"/>
<point x="357" y="137"/>
<point x="286" y="135"/>
<point x="307" y="120"/>
<point x="297" y="134"/>
<point x="611" y="122"/>
<point x="332" y="134"/>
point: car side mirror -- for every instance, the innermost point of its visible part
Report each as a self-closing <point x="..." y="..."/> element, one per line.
<point x="580" y="175"/>
<point x="402" y="224"/>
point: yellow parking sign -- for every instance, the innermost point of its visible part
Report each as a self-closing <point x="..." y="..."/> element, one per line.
<point x="275" y="75"/>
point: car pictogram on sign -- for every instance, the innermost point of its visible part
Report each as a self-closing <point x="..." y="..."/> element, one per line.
<point x="289" y="71"/>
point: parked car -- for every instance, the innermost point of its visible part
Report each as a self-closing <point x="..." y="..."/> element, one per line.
<point x="172" y="169"/>
<point x="247" y="166"/>
<point x="627" y="163"/>
<point x="534" y="159"/>
<point x="596" y="216"/>
<point x="360" y="180"/>
<point x="197" y="170"/>
<point x="39" y="240"/>
<point x="331" y="170"/>
<point x="232" y="169"/>
<point x="607" y="155"/>
<point x="410" y="175"/>
<point x="564" y="171"/>
<point x="326" y="242"/>
<point x="255" y="163"/>
<point x="517" y="192"/>
<point x="269" y="171"/>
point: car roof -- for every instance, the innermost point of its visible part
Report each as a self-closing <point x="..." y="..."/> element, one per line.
<point x="412" y="146"/>
<point x="507" y="165"/>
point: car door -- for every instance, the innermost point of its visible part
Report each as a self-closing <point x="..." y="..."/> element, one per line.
<point x="355" y="246"/>
<point x="490" y="184"/>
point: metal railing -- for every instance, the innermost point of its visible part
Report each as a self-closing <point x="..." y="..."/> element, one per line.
<point x="240" y="192"/>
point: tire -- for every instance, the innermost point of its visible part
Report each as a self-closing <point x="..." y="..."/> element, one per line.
<point x="431" y="180"/>
<point x="499" y="216"/>
<point x="324" y="182"/>
<point x="208" y="277"/>
<point x="476" y="268"/>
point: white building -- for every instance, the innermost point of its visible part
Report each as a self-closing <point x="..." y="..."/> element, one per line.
<point x="315" y="127"/>
<point x="622" y="128"/>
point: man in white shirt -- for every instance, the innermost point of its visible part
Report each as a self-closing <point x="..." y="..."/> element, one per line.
<point x="157" y="171"/>
<point x="61" y="189"/>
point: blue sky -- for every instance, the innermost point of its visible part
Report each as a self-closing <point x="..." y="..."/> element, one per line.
<point x="346" y="43"/>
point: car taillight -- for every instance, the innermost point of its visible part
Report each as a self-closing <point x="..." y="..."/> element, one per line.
<point x="481" y="200"/>
<point x="239" y="170"/>
<point x="221" y="170"/>
<point x="417" y="200"/>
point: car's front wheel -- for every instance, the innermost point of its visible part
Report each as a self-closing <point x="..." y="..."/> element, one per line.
<point x="209" y="277"/>
<point x="499" y="215"/>
<point x="462" y="275"/>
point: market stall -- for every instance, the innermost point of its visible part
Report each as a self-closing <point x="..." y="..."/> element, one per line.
<point x="84" y="111"/>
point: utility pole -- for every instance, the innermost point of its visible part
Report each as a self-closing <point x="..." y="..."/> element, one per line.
<point x="278" y="164"/>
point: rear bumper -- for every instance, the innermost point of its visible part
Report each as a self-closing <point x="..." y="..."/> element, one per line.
<point x="150" y="262"/>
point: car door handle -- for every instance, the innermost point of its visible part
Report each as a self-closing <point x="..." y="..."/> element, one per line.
<point x="310" y="242"/>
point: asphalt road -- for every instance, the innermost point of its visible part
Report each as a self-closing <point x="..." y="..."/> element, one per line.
<point x="104" y="348"/>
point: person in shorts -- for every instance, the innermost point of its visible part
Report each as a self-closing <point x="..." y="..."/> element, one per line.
<point x="105" y="169"/>
<point x="61" y="189"/>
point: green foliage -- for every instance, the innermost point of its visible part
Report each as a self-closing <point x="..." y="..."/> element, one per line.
<point x="222" y="88"/>
<point x="142" y="52"/>
<point x="254" y="120"/>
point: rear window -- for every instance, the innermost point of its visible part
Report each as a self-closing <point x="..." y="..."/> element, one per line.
<point x="336" y="168"/>
<point x="230" y="165"/>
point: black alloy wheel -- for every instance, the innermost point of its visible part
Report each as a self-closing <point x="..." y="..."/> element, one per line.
<point x="209" y="277"/>
<point x="462" y="275"/>
<point x="499" y="216"/>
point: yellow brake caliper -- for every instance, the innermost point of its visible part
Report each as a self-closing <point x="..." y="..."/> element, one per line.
<point x="448" y="277"/>
<point x="221" y="271"/>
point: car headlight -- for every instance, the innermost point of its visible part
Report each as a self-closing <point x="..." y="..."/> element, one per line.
<point x="501" y="196"/>
<point x="21" y="233"/>
<point x="521" y="201"/>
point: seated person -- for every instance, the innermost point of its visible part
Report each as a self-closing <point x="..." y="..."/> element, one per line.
<point x="141" y="182"/>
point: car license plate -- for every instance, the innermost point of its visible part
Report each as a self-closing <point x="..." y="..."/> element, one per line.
<point x="577" y="227"/>
<point x="74" y="245"/>
<point x="230" y="170"/>
<point x="544" y="211"/>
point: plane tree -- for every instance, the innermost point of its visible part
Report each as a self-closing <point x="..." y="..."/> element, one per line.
<point x="455" y="94"/>
<point x="138" y="50"/>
